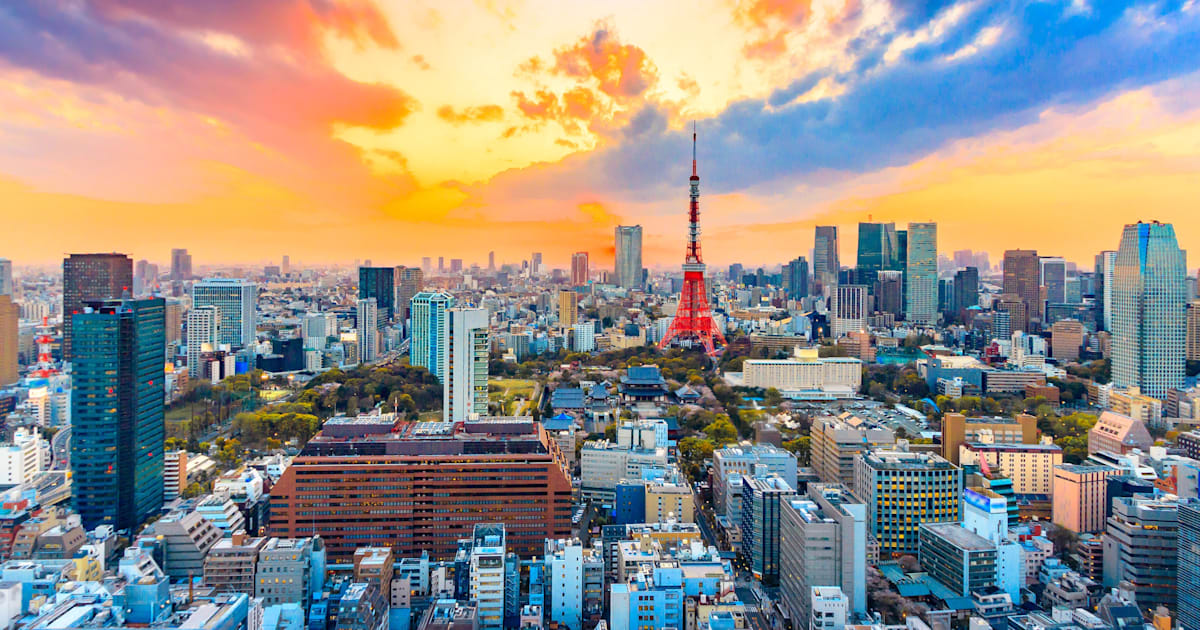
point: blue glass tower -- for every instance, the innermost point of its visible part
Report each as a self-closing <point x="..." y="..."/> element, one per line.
<point x="428" y="349"/>
<point x="117" y="411"/>
<point x="1149" y="310"/>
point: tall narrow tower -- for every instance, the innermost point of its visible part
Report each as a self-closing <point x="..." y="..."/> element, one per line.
<point x="693" y="323"/>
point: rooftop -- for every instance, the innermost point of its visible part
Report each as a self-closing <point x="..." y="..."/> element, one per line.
<point x="959" y="536"/>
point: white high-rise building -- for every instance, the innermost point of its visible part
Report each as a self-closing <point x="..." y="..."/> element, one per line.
<point x="922" y="287"/>
<point x="1108" y="262"/>
<point x="583" y="336"/>
<point x="628" y="263"/>
<point x="849" y="308"/>
<point x="465" y="367"/>
<point x="487" y="574"/>
<point x="22" y="459"/>
<point x="203" y="335"/>
<point x="237" y="299"/>
<point x="368" y="330"/>
<point x="564" y="574"/>
<point x="1149" y="310"/>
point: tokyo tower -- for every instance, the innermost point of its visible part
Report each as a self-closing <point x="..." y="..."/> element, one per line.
<point x="693" y="323"/>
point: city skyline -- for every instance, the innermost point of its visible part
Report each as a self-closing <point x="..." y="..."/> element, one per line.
<point x="577" y="123"/>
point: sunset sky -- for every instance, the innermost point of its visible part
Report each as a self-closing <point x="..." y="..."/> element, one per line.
<point x="332" y="131"/>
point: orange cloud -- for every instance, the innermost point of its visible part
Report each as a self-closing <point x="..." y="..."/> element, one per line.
<point x="475" y="114"/>
<point x="622" y="70"/>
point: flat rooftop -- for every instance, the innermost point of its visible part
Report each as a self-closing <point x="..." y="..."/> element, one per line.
<point x="959" y="536"/>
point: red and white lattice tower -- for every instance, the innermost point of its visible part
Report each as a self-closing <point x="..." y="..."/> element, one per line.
<point x="693" y="323"/>
<point x="45" y="364"/>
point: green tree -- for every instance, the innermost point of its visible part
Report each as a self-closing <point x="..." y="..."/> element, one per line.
<point x="801" y="447"/>
<point x="721" y="431"/>
<point x="693" y="452"/>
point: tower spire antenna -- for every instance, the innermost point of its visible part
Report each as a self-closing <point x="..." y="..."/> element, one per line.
<point x="694" y="148"/>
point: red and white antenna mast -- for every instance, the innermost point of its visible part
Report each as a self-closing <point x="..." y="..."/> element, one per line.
<point x="44" y="340"/>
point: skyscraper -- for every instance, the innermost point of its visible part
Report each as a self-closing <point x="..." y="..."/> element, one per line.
<point x="1105" y="263"/>
<point x="91" y="277"/>
<point x="966" y="290"/>
<point x="409" y="282"/>
<point x="1188" y="562"/>
<point x="579" y="268"/>
<point x="795" y="277"/>
<point x="491" y="261"/>
<point x="285" y="267"/>
<point x="379" y="283"/>
<point x="1149" y="317"/>
<point x="117" y="411"/>
<point x="367" y="324"/>
<point x="628" y="264"/>
<point x="849" y="309"/>
<point x="181" y="265"/>
<point x="1022" y="278"/>
<point x="203" y="335"/>
<point x="568" y="306"/>
<point x="825" y="256"/>
<point x="1053" y="271"/>
<point x="428" y="348"/>
<point x="9" y="314"/>
<point x="1193" y="331"/>
<point x="6" y="277"/>
<point x="922" y="286"/>
<point x="889" y="293"/>
<point x="237" y="299"/>
<point x="465" y="367"/>
<point x="878" y="249"/>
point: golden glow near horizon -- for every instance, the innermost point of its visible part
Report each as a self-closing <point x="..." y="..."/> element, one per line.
<point x="398" y="130"/>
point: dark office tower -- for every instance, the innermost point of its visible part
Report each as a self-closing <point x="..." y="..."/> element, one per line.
<point x="181" y="265"/>
<point x="1053" y="275"/>
<point x="117" y="411"/>
<point x="878" y="249"/>
<point x="795" y="278"/>
<point x="579" y="269"/>
<point x="1022" y="278"/>
<point x="889" y="287"/>
<point x="1188" y="562"/>
<point x="409" y="282"/>
<point x="966" y="291"/>
<point x="379" y="283"/>
<point x="825" y="256"/>
<point x="945" y="296"/>
<point x="92" y="277"/>
<point x="736" y="271"/>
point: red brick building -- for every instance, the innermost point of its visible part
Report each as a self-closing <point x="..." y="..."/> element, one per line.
<point x="422" y="486"/>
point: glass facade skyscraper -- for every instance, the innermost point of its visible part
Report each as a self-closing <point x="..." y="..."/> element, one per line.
<point x="428" y="348"/>
<point x="921" y="303"/>
<point x="628" y="264"/>
<point x="825" y="255"/>
<point x="117" y="411"/>
<point x="1149" y="310"/>
<point x="1188" y="562"/>
<point x="379" y="283"/>
<point x="92" y="277"/>
<point x="795" y="275"/>
<point x="878" y="249"/>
